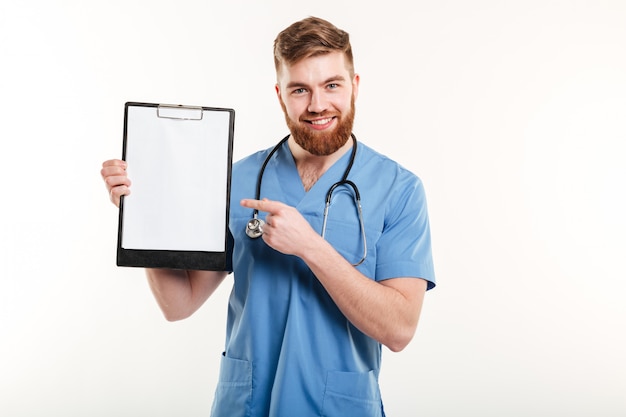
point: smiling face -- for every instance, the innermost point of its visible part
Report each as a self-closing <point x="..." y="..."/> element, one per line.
<point x="317" y="95"/>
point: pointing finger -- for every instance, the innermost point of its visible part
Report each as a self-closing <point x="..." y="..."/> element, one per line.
<point x="261" y="205"/>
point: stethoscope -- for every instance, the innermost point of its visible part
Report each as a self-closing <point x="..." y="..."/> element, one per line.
<point x="254" y="227"/>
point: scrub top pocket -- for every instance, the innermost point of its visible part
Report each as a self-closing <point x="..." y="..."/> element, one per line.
<point x="352" y="394"/>
<point x="234" y="388"/>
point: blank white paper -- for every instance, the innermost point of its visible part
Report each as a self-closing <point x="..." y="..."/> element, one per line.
<point x="178" y="169"/>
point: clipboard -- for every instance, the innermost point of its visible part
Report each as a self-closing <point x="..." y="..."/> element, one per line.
<point x="179" y="162"/>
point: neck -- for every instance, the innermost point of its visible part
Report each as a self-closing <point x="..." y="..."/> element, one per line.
<point x="312" y="167"/>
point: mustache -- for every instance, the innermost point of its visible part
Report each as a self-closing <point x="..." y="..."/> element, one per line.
<point x="326" y="114"/>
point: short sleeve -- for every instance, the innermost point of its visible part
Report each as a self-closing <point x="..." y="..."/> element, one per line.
<point x="404" y="248"/>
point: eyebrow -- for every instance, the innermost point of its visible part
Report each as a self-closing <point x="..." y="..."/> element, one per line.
<point x="334" y="78"/>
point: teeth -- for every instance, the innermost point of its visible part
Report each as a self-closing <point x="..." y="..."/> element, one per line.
<point x="322" y="121"/>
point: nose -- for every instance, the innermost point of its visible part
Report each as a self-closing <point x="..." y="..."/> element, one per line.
<point x="318" y="102"/>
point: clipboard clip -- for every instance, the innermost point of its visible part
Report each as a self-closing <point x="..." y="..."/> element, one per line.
<point x="179" y="112"/>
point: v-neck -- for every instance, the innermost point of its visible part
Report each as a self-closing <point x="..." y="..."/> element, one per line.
<point x="284" y="174"/>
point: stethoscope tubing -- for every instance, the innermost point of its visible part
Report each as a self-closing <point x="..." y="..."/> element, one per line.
<point x="357" y="202"/>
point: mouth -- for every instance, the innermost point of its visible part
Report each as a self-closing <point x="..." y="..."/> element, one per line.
<point x="321" y="123"/>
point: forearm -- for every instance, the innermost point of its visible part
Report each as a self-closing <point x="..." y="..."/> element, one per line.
<point x="180" y="293"/>
<point x="387" y="311"/>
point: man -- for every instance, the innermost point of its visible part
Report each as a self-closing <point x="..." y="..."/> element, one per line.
<point x="305" y="327"/>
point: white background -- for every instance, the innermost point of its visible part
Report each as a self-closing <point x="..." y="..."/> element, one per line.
<point x="511" y="112"/>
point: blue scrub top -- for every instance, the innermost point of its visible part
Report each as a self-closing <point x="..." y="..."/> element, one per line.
<point x="289" y="350"/>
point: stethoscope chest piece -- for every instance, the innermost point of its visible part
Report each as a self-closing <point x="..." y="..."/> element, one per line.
<point x="254" y="228"/>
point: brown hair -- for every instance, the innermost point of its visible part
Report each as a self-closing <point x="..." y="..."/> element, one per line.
<point x="310" y="37"/>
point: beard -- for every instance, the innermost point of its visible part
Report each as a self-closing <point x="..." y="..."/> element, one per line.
<point x="322" y="143"/>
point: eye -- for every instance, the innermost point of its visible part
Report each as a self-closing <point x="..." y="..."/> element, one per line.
<point x="332" y="86"/>
<point x="299" y="91"/>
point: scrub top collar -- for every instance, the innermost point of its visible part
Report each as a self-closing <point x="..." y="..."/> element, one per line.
<point x="283" y="166"/>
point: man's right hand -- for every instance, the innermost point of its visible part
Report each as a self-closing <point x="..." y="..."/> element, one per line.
<point x="115" y="179"/>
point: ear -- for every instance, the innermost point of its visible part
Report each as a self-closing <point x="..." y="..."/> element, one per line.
<point x="278" y="94"/>
<point x="355" y="85"/>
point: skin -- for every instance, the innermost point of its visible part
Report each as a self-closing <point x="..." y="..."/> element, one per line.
<point x="314" y="94"/>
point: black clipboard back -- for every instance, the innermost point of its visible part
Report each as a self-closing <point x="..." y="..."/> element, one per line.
<point x="179" y="161"/>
